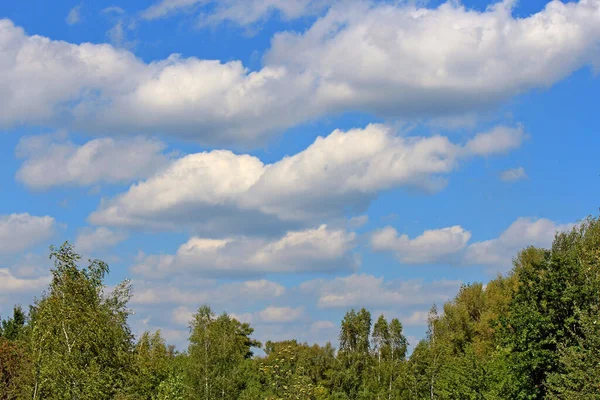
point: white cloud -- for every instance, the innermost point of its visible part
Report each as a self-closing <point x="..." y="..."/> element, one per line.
<point x="514" y="174"/>
<point x="113" y="10"/>
<point x="320" y="249"/>
<point x="335" y="175"/>
<point x="89" y="240"/>
<point x="244" y="13"/>
<point x="451" y="245"/>
<point x="319" y="326"/>
<point x="390" y="59"/>
<point x="281" y="314"/>
<point x="362" y="290"/>
<point x="417" y="318"/>
<point x="499" y="140"/>
<point x="21" y="231"/>
<point x="116" y="34"/>
<point x="168" y="7"/>
<point x="148" y="293"/>
<point x="520" y="234"/>
<point x="49" y="162"/>
<point x="183" y="315"/>
<point x="74" y="16"/>
<point x="9" y="283"/>
<point x="398" y="59"/>
<point x="433" y="245"/>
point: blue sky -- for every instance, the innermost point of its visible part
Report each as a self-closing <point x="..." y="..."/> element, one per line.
<point x="288" y="161"/>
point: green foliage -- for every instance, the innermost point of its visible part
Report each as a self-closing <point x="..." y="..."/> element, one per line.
<point x="285" y="379"/>
<point x="152" y="364"/>
<point x="543" y="315"/>
<point x="171" y="389"/>
<point x="579" y="378"/>
<point x="13" y="328"/>
<point x="80" y="341"/>
<point x="218" y="348"/>
<point x="15" y="370"/>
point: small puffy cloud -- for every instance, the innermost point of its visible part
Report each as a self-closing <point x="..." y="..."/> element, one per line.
<point x="336" y="174"/>
<point x="514" y="174"/>
<point x="74" y="16"/>
<point x="417" y="318"/>
<point x="280" y="314"/>
<point x="362" y="290"/>
<point x="520" y="234"/>
<point x="48" y="162"/>
<point x="499" y="140"/>
<point x="310" y="250"/>
<point x="21" y="231"/>
<point x="89" y="240"/>
<point x="431" y="246"/>
<point x="319" y="326"/>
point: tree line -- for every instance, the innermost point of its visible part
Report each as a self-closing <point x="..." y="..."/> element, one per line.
<point x="532" y="333"/>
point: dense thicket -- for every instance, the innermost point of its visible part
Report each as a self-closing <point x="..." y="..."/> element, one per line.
<point x="531" y="334"/>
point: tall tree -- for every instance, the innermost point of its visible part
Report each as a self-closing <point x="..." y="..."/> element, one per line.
<point x="80" y="340"/>
<point x="152" y="364"/>
<point x="12" y="328"/>
<point x="354" y="353"/>
<point x="219" y="346"/>
<point x="382" y="350"/>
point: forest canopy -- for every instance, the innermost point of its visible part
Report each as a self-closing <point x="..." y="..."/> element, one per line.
<point x="529" y="334"/>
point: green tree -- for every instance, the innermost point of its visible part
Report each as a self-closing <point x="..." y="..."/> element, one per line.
<point x="285" y="377"/>
<point x="14" y="327"/>
<point x="152" y="364"/>
<point x="219" y="348"/>
<point x="354" y="356"/>
<point x="171" y="388"/>
<point x="80" y="341"/>
<point x="579" y="377"/>
<point x="15" y="370"/>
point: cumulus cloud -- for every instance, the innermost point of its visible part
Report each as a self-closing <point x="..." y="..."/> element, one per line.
<point x="89" y="240"/>
<point x="362" y="290"/>
<point x="20" y="282"/>
<point x="48" y="162"/>
<point x="451" y="245"/>
<point x="391" y="59"/>
<point x="433" y="245"/>
<point x="520" y="234"/>
<point x="9" y="283"/>
<point x="320" y="249"/>
<point x="21" y="231"/>
<point x="514" y="174"/>
<point x="397" y="58"/>
<point x="336" y="175"/>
